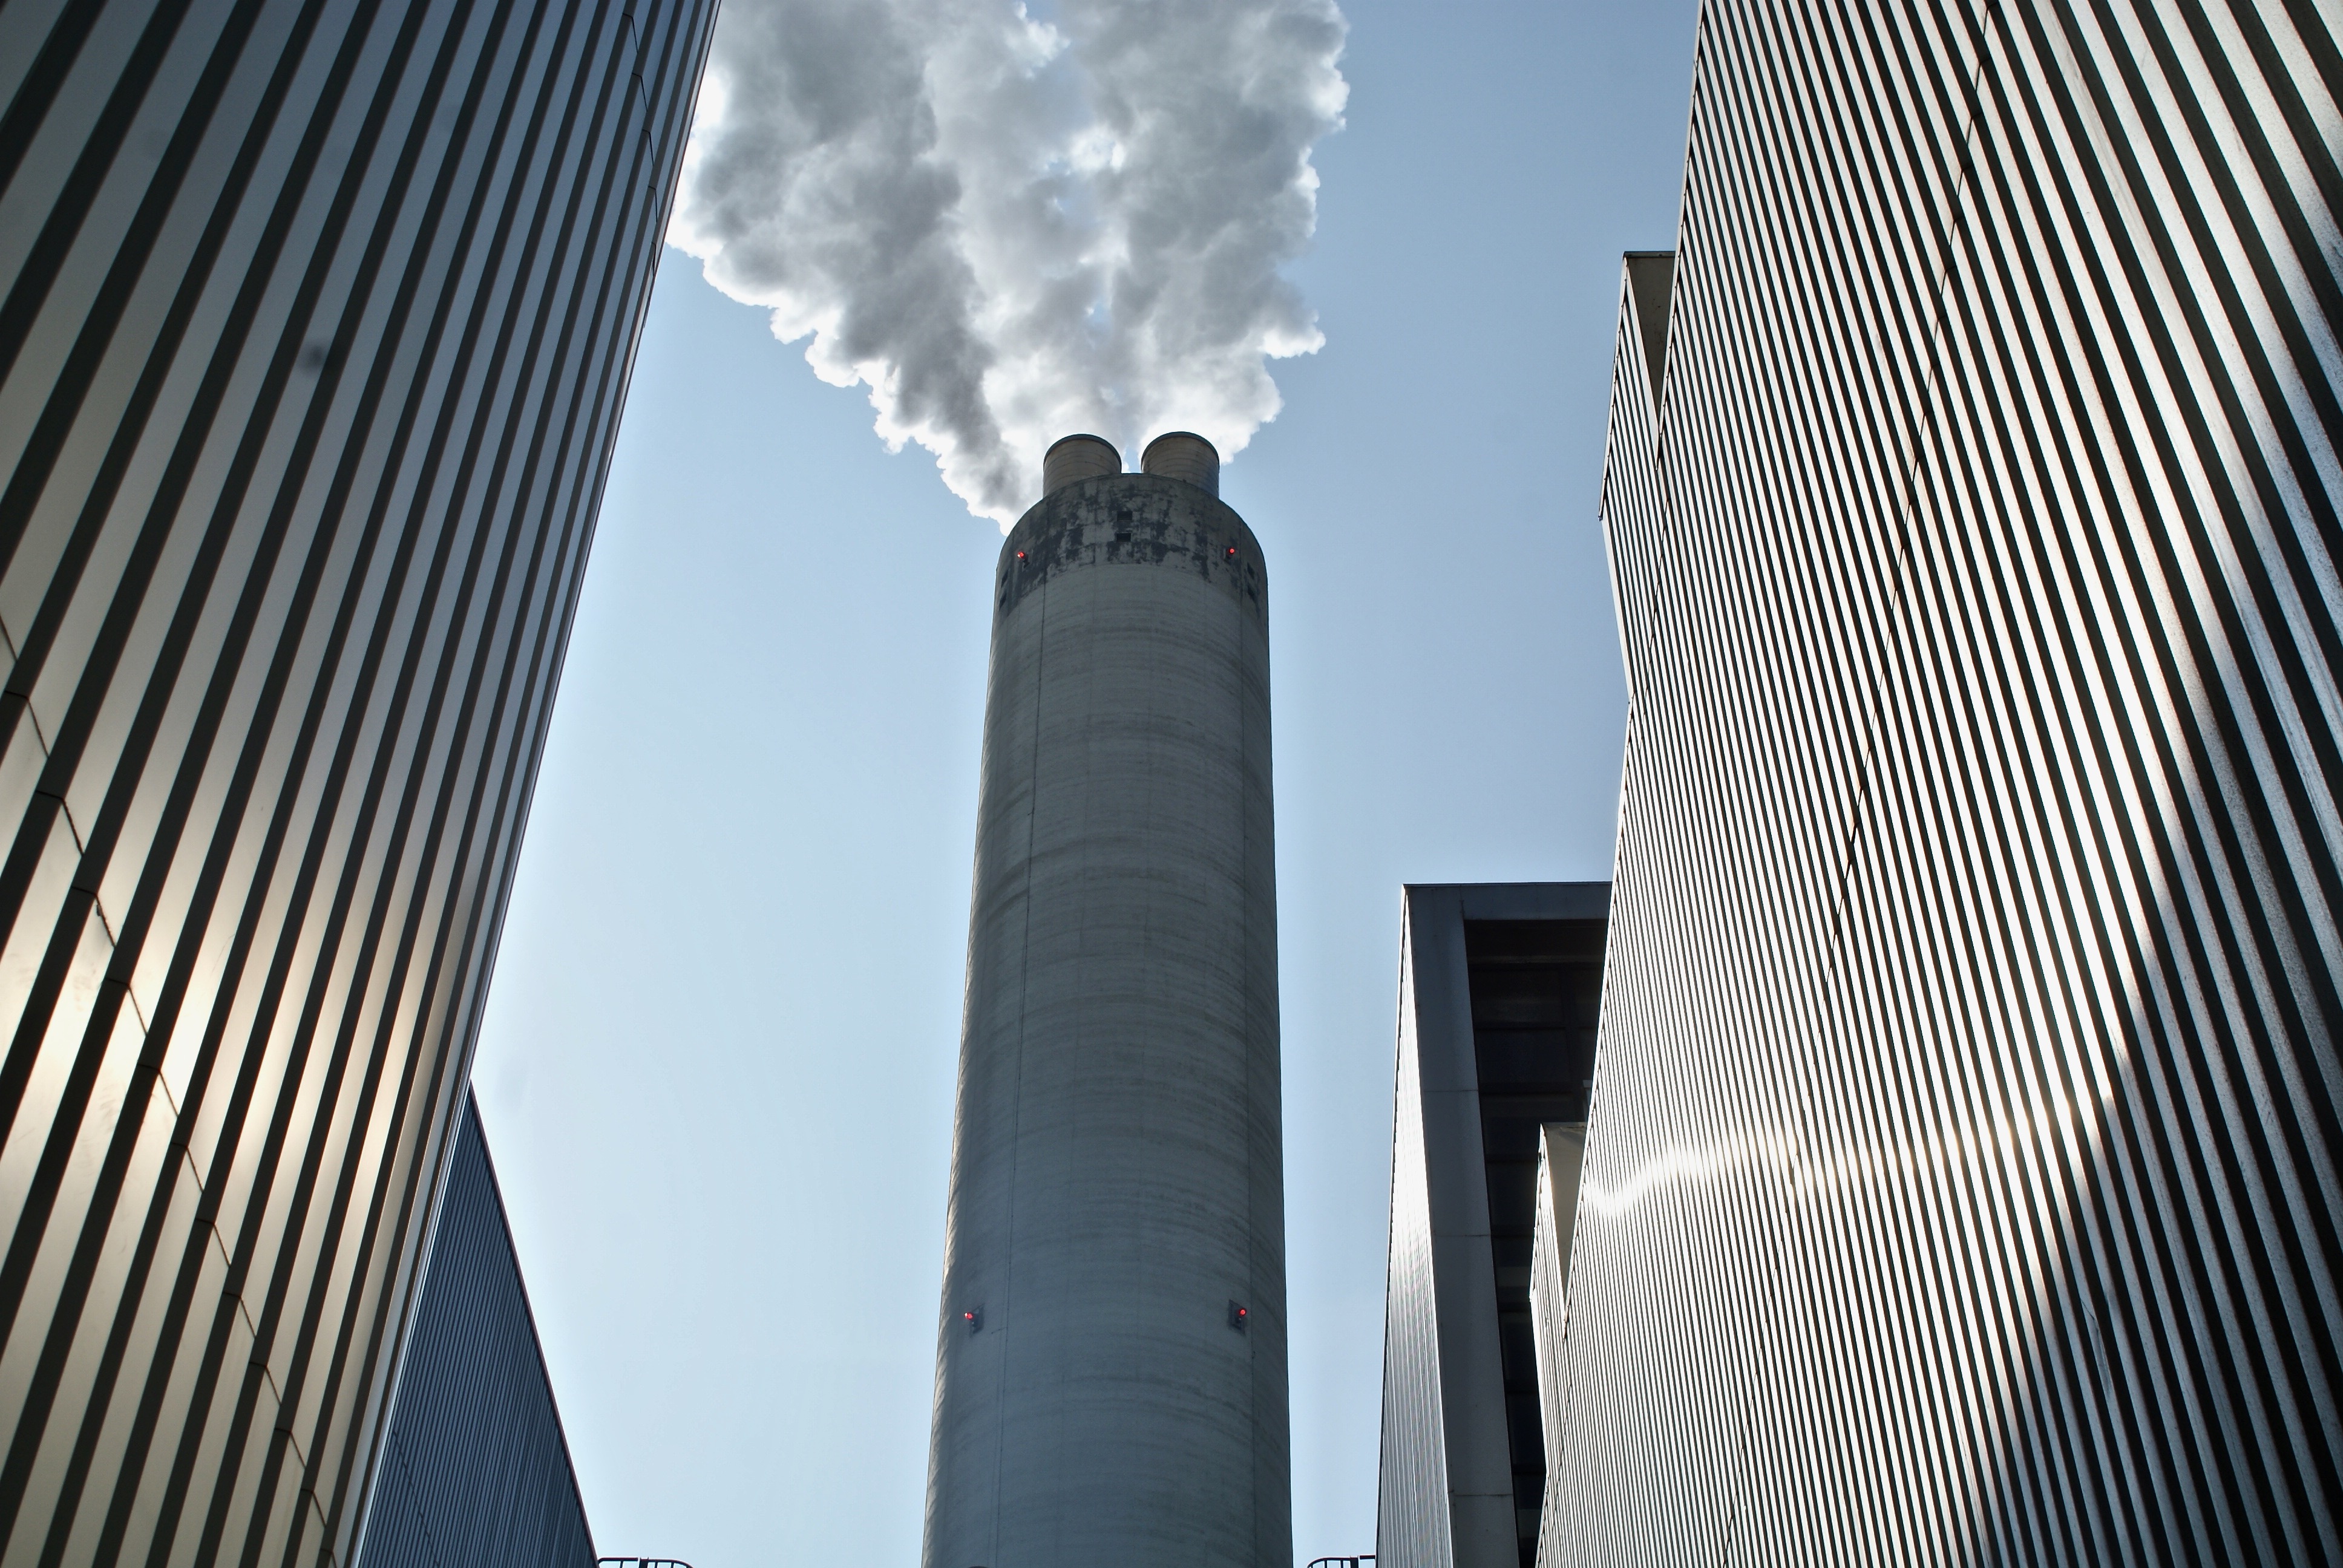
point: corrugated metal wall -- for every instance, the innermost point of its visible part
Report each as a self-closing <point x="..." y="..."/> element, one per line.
<point x="1963" y="1178"/>
<point x="1561" y="1146"/>
<point x="315" y="324"/>
<point x="474" y="1470"/>
<point x="1415" y="1524"/>
<point x="1499" y="983"/>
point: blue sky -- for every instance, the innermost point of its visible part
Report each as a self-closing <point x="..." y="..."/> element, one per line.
<point x="717" y="1066"/>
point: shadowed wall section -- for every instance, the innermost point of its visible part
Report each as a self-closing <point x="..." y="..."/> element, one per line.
<point x="315" y="326"/>
<point x="1500" y="992"/>
<point x="475" y="1469"/>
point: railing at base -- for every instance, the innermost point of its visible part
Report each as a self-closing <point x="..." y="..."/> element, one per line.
<point x="1342" y="1562"/>
<point x="640" y="1562"/>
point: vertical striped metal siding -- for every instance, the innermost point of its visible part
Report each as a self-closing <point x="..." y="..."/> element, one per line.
<point x="1961" y="1182"/>
<point x="474" y="1470"/>
<point x="1497" y="994"/>
<point x="1413" y="1522"/>
<point x="314" y="324"/>
<point x="1559" y="1146"/>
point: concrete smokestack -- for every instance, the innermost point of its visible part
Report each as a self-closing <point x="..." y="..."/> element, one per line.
<point x="1183" y="455"/>
<point x="1110" y="1371"/>
<point x="1072" y="458"/>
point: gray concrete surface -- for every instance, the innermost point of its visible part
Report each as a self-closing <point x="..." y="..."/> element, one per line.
<point x="1183" y="455"/>
<point x="1072" y="457"/>
<point x="1116" y="1180"/>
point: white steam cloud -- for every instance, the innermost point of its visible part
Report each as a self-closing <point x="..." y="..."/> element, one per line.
<point x="1010" y="228"/>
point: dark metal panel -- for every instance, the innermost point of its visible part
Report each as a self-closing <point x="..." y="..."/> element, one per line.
<point x="1536" y="995"/>
<point x="474" y="1468"/>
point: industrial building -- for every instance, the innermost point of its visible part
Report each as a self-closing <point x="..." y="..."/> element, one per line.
<point x="1962" y="1178"/>
<point x="474" y="1468"/>
<point x="316" y="323"/>
<point x="1500" y="991"/>
<point x="1110" y="1364"/>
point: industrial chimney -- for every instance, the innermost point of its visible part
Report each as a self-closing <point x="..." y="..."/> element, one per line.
<point x="1110" y="1380"/>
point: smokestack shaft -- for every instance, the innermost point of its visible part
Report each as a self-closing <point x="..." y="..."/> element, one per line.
<point x="1111" y="1367"/>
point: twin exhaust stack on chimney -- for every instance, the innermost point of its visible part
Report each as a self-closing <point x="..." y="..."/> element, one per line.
<point x="1111" y="1382"/>
<point x="1177" y="455"/>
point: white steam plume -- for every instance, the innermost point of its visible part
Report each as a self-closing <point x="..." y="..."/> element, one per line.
<point x="1010" y="228"/>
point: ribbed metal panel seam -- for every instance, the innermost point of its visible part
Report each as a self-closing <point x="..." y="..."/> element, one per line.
<point x="310" y="359"/>
<point x="1963" y="1179"/>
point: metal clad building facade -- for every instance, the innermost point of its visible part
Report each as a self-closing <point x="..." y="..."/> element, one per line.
<point x="1963" y="1179"/>
<point x="1500" y="989"/>
<point x="315" y="326"/>
<point x="475" y="1469"/>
